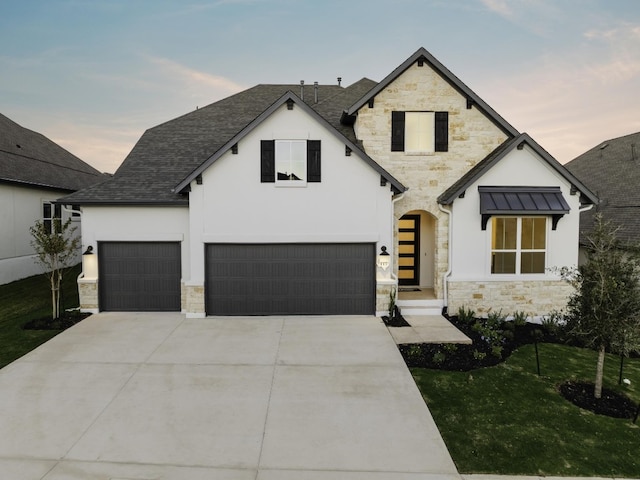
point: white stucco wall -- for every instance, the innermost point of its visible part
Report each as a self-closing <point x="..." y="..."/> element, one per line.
<point x="471" y="244"/>
<point x="232" y="205"/>
<point x="20" y="208"/>
<point x="137" y="224"/>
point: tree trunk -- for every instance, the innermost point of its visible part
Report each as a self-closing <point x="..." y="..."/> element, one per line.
<point x="54" y="311"/>
<point x="599" y="373"/>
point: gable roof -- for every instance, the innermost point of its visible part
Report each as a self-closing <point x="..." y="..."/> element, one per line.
<point x="612" y="170"/>
<point x="459" y="187"/>
<point x="156" y="169"/>
<point x="31" y="159"/>
<point x="447" y="75"/>
<point x="290" y="97"/>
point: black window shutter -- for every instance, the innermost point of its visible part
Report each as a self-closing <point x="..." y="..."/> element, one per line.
<point x="397" y="131"/>
<point x="442" y="131"/>
<point x="313" y="161"/>
<point x="267" y="161"/>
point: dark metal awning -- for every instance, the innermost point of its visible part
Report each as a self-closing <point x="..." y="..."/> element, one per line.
<point x="522" y="201"/>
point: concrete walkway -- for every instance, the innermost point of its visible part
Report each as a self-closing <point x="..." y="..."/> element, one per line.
<point x="158" y="396"/>
<point x="428" y="329"/>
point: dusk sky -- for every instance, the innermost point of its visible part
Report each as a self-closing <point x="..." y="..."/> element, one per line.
<point x="93" y="75"/>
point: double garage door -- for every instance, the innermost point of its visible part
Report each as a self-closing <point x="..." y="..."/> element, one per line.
<point x="242" y="279"/>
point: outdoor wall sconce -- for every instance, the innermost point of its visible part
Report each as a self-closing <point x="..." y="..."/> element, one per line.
<point x="89" y="263"/>
<point x="384" y="259"/>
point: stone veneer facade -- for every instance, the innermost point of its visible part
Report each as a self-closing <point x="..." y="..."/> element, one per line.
<point x="535" y="298"/>
<point x="472" y="136"/>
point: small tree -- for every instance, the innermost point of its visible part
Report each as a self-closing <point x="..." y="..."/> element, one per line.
<point x="603" y="311"/>
<point x="55" y="247"/>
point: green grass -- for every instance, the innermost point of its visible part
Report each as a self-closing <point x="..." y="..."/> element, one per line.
<point x="26" y="300"/>
<point x="507" y="420"/>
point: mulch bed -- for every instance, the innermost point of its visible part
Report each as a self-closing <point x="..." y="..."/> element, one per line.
<point x="66" y="320"/>
<point x="482" y="353"/>
<point x="612" y="404"/>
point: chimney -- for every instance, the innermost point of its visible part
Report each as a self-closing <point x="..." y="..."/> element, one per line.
<point x="302" y="89"/>
<point x="315" y="92"/>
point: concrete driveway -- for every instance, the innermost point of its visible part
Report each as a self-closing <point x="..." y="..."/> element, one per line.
<point x="157" y="396"/>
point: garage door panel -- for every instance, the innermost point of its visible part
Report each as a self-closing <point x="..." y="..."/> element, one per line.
<point x="139" y="276"/>
<point x="280" y="279"/>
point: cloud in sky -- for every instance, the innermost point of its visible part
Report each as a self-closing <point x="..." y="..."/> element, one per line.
<point x="94" y="75"/>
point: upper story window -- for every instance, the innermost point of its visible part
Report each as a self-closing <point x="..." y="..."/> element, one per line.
<point x="419" y="132"/>
<point x="50" y="213"/>
<point x="290" y="162"/>
<point x="518" y="245"/>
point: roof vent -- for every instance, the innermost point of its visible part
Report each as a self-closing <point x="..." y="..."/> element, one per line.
<point x="603" y="146"/>
<point x="339" y="81"/>
<point x="302" y="89"/>
<point x="315" y="92"/>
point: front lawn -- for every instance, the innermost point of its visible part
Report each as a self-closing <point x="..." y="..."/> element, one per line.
<point x="506" y="419"/>
<point x="26" y="300"/>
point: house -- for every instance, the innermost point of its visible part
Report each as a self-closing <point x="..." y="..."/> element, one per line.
<point x="322" y="199"/>
<point x="611" y="169"/>
<point x="34" y="172"/>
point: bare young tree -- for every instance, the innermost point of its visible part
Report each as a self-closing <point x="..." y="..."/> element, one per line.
<point x="55" y="246"/>
<point x="604" y="310"/>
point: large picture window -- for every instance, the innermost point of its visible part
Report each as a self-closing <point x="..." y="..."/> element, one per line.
<point x="518" y="245"/>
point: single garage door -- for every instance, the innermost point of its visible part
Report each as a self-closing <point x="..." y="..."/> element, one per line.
<point x="290" y="279"/>
<point x="139" y="276"/>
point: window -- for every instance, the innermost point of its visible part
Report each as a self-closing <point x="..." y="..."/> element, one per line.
<point x="290" y="162"/>
<point x="518" y="245"/>
<point x="50" y="213"/>
<point x="419" y="132"/>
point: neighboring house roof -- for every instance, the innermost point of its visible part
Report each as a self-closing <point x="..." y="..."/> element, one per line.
<point x="446" y="74"/>
<point x="459" y="187"/>
<point x="612" y="170"/>
<point x="167" y="156"/>
<point x="29" y="158"/>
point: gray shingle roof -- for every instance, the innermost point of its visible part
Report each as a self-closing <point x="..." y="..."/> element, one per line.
<point x="167" y="154"/>
<point x="459" y="187"/>
<point x="29" y="158"/>
<point x="612" y="170"/>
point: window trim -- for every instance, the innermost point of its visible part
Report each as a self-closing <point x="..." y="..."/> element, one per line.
<point x="518" y="250"/>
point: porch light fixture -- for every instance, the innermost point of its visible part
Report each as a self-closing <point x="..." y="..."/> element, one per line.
<point x="89" y="264"/>
<point x="384" y="259"/>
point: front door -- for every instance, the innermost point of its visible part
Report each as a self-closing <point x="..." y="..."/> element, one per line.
<point x="409" y="250"/>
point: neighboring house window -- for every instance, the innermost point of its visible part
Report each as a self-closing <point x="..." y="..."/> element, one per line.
<point x="50" y="213"/>
<point x="518" y="245"/>
<point x="419" y="132"/>
<point x="290" y="162"/>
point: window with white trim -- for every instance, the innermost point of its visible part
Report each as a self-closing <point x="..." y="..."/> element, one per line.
<point x="518" y="245"/>
<point x="291" y="161"/>
<point x="50" y="213"/>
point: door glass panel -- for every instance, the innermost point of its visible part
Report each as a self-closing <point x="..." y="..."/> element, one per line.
<point x="406" y="261"/>
<point x="406" y="249"/>
<point x="406" y="236"/>
<point x="405" y="274"/>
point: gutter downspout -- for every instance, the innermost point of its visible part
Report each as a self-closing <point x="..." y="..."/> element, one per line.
<point x="71" y="211"/>
<point x="447" y="274"/>
<point x="393" y="222"/>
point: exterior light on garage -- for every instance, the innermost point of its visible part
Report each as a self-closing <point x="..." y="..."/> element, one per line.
<point x="383" y="262"/>
<point x="89" y="264"/>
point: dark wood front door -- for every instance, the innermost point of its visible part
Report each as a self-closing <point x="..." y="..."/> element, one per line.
<point x="409" y="250"/>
